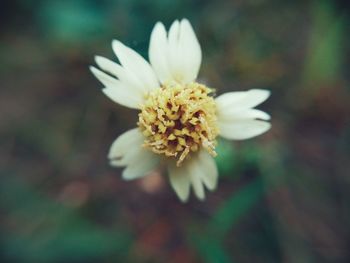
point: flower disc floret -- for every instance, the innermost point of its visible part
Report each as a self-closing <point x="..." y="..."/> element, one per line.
<point x="177" y="120"/>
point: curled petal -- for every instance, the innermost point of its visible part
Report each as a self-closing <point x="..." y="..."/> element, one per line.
<point x="197" y="172"/>
<point x="239" y="100"/>
<point x="176" y="57"/>
<point x="242" y="129"/>
<point x="128" y="79"/>
<point x="180" y="181"/>
<point x="116" y="91"/>
<point x="158" y="52"/>
<point x="127" y="151"/>
<point x="136" y="64"/>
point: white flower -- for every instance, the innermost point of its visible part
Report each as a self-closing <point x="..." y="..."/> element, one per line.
<point x="179" y="119"/>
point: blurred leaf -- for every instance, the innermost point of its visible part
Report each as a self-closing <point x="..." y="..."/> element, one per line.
<point x="46" y="231"/>
<point x="72" y="21"/>
<point x="251" y="153"/>
<point x="210" y="250"/>
<point x="326" y="48"/>
<point x="236" y="207"/>
<point x="226" y="158"/>
<point x="209" y="242"/>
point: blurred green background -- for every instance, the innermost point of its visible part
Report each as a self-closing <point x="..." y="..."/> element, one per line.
<point x="282" y="197"/>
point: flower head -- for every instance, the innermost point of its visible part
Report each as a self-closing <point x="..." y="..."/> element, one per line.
<point x="179" y="119"/>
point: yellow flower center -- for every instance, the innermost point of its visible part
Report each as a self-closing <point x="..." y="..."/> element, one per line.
<point x="179" y="119"/>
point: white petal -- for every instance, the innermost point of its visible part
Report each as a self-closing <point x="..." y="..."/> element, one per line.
<point x="127" y="158"/>
<point x="127" y="78"/>
<point x="202" y="171"/>
<point x="132" y="154"/>
<point x="243" y="115"/>
<point x="209" y="170"/>
<point x="190" y="51"/>
<point x="199" y="171"/>
<point x="254" y="114"/>
<point x="174" y="56"/>
<point x="242" y="129"/>
<point x="184" y="52"/>
<point x="105" y="79"/>
<point x="158" y="55"/>
<point x="116" y="91"/>
<point x="180" y="181"/>
<point x="237" y="101"/>
<point x="123" y="143"/>
<point x="195" y="173"/>
<point x="141" y="165"/>
<point x="136" y="64"/>
<point x="236" y="116"/>
<point x="127" y="150"/>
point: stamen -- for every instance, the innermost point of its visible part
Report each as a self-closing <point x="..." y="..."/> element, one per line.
<point x="177" y="120"/>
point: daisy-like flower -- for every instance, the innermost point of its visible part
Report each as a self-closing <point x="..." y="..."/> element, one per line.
<point x="179" y="119"/>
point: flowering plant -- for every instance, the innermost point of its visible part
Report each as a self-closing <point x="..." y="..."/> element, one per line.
<point x="179" y="118"/>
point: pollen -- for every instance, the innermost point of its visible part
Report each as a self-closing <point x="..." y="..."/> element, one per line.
<point x="178" y="120"/>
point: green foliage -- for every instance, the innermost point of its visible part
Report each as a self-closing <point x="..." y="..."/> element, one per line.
<point x="211" y="250"/>
<point x="46" y="231"/>
<point x="72" y="21"/>
<point x="226" y="158"/>
<point x="209" y="239"/>
<point x="326" y="45"/>
<point x="236" y="207"/>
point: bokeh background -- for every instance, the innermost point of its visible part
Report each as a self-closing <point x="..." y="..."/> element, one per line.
<point x="282" y="197"/>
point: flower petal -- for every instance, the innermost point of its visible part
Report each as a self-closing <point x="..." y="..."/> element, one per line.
<point x="135" y="63"/>
<point x="236" y="118"/>
<point x="127" y="151"/>
<point x="195" y="173"/>
<point x="180" y="181"/>
<point x="242" y="129"/>
<point x="209" y="169"/>
<point x="127" y="78"/>
<point x="173" y="54"/>
<point x="202" y="170"/>
<point x="117" y="92"/>
<point x="141" y="165"/>
<point x="253" y="114"/>
<point x="190" y="50"/>
<point x="243" y="115"/>
<point x="199" y="171"/>
<point x="158" y="53"/>
<point x="184" y="52"/>
<point x="121" y="145"/>
<point x="237" y="101"/>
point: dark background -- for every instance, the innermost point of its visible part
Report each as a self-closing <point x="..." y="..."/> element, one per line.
<point x="282" y="197"/>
